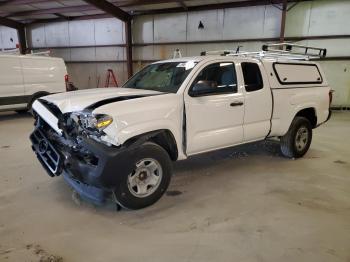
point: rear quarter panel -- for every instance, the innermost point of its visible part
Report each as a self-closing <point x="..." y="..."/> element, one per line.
<point x="291" y="99"/>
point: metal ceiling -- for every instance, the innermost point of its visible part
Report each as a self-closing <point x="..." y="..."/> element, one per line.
<point x="33" y="11"/>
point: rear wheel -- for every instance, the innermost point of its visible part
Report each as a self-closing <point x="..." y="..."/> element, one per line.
<point x="148" y="180"/>
<point x="297" y="141"/>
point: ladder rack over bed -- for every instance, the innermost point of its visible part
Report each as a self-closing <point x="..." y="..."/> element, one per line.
<point x="282" y="50"/>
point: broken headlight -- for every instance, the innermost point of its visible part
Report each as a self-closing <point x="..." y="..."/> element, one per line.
<point x="93" y="123"/>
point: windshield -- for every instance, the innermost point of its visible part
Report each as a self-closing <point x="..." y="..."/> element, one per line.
<point x="163" y="77"/>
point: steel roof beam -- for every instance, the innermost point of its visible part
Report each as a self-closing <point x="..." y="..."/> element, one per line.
<point x="110" y="8"/>
<point x="11" y="23"/>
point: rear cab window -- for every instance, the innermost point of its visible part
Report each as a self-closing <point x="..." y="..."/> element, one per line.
<point x="252" y="76"/>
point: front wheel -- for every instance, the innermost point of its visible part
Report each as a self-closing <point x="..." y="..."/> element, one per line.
<point x="297" y="141"/>
<point x="148" y="180"/>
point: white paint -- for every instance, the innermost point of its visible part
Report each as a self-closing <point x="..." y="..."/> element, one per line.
<point x="211" y="122"/>
<point x="28" y="75"/>
<point x="50" y="118"/>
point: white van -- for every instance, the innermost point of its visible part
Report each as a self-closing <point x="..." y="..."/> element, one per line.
<point x="24" y="78"/>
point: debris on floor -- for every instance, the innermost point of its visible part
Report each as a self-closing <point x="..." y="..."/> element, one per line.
<point x="42" y="254"/>
<point x="340" y="162"/>
<point x="173" y="193"/>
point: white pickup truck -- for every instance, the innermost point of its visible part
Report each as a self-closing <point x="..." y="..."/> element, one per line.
<point x="118" y="143"/>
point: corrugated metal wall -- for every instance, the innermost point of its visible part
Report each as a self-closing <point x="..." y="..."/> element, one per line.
<point x="8" y="38"/>
<point x="90" y="47"/>
<point x="320" y="18"/>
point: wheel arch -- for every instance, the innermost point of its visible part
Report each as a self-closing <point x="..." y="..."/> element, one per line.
<point x="310" y="114"/>
<point x="162" y="137"/>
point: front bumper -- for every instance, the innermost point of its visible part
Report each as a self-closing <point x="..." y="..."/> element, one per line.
<point x="93" y="181"/>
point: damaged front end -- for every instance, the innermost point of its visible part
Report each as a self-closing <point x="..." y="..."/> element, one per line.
<point x="82" y="153"/>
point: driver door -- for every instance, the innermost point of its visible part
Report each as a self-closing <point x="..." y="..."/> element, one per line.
<point x="214" y="109"/>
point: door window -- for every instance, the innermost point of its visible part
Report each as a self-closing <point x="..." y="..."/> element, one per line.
<point x="252" y="77"/>
<point x="216" y="78"/>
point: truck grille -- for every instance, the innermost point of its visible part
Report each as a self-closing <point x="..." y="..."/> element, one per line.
<point x="45" y="152"/>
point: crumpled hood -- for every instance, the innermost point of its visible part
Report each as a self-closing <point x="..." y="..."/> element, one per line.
<point x="79" y="100"/>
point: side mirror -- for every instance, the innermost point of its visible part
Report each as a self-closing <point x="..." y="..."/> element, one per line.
<point x="203" y="87"/>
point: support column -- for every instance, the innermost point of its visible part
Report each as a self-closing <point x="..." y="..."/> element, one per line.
<point x="128" y="40"/>
<point x="21" y="32"/>
<point x="283" y="20"/>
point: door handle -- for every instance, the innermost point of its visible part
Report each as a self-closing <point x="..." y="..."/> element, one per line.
<point x="238" y="103"/>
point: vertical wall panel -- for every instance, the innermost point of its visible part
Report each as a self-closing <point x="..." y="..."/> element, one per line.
<point x="110" y="53"/>
<point x="298" y="20"/>
<point x="82" y="33"/>
<point x="272" y="22"/>
<point x="83" y="75"/>
<point x="56" y="34"/>
<point x="170" y="27"/>
<point x="109" y="31"/>
<point x="161" y="52"/>
<point x="64" y="53"/>
<point x="143" y="53"/>
<point x="142" y="29"/>
<point x="330" y="18"/>
<point x="238" y="25"/>
<point x="338" y="77"/>
<point x="83" y="54"/>
<point x="8" y="37"/>
<point x="36" y="35"/>
<point x="212" y="22"/>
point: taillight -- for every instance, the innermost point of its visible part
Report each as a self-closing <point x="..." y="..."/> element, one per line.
<point x="330" y="97"/>
<point x="66" y="78"/>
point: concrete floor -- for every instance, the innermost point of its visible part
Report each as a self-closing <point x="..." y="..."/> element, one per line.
<point x="243" y="204"/>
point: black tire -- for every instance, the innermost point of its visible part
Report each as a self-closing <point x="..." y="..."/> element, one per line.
<point x="22" y="111"/>
<point x="29" y="109"/>
<point x="123" y="193"/>
<point x="30" y="104"/>
<point x="289" y="142"/>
